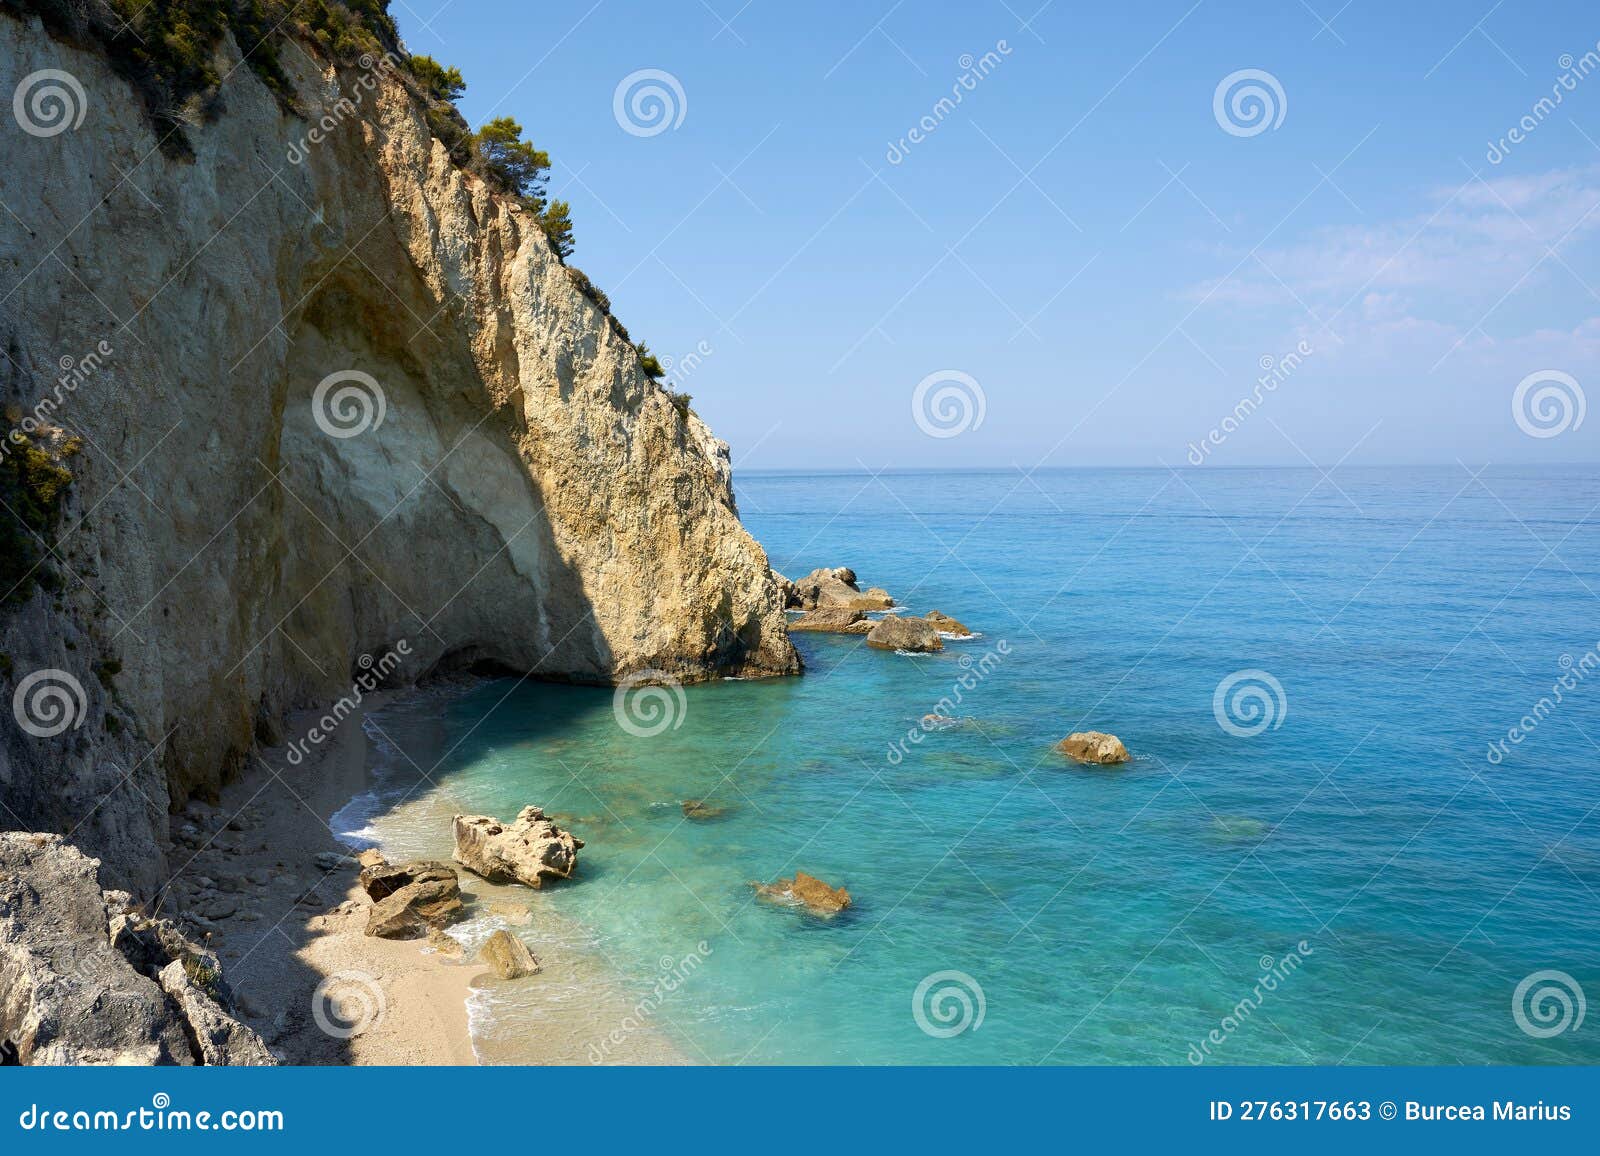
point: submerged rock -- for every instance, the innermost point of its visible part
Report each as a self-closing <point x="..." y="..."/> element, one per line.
<point x="530" y="849"/>
<point x="411" y="899"/>
<point x="85" y="980"/>
<point x="1094" y="747"/>
<point x="702" y="811"/>
<point x="899" y="633"/>
<point x="509" y="956"/>
<point x="805" y="891"/>
<point x="947" y="625"/>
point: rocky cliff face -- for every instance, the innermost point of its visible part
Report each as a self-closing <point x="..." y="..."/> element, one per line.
<point x="332" y="404"/>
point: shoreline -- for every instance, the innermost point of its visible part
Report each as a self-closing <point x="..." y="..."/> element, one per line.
<point x="293" y="950"/>
<point x="265" y="877"/>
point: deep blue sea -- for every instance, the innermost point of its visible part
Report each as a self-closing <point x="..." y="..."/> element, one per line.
<point x="1326" y="866"/>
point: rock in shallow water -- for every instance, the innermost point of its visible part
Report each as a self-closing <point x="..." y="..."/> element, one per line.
<point x="900" y="633"/>
<point x="509" y="956"/>
<point x="834" y="588"/>
<point x="832" y="620"/>
<point x="805" y="891"/>
<point x="530" y="849"/>
<point x="1094" y="747"/>
<point x="947" y="625"/>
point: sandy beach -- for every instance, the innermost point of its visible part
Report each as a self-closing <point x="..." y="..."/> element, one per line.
<point x="262" y="875"/>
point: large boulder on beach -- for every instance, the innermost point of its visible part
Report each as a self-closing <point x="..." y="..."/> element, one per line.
<point x="508" y="956"/>
<point x="86" y="978"/>
<point x="1094" y="747"/>
<point x="411" y="899"/>
<point x="805" y="891"/>
<point x="530" y="849"/>
<point x="836" y="588"/>
<point x="898" y="632"/>
<point x="944" y="624"/>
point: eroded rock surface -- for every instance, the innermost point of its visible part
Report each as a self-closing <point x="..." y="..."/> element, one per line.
<point x="530" y="849"/>
<point x="805" y="891"/>
<point x="898" y="632"/>
<point x="508" y="956"/>
<point x="410" y="900"/>
<point x="83" y="981"/>
<point x="517" y="493"/>
<point x="1094" y="747"/>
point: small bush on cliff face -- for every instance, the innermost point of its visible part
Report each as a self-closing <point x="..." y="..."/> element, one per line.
<point x="588" y="288"/>
<point x="33" y="486"/>
<point x="649" y="363"/>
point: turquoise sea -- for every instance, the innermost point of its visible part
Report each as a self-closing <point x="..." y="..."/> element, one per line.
<point x="1357" y="881"/>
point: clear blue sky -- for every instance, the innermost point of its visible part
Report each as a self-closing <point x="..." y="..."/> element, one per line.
<point x="1080" y="234"/>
